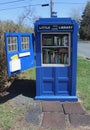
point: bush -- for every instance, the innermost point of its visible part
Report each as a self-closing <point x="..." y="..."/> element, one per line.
<point x="4" y="78"/>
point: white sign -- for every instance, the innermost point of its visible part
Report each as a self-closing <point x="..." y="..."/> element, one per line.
<point x="15" y="65"/>
<point x="24" y="54"/>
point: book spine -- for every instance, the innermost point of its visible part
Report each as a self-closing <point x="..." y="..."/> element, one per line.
<point x="59" y="41"/>
<point x="50" y="58"/>
<point x="54" y="57"/>
<point x="65" y="58"/>
<point x="65" y="41"/>
<point x="58" y="58"/>
<point x="55" y="40"/>
<point x="45" y="56"/>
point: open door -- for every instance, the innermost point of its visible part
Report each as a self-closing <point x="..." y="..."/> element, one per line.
<point x="19" y="52"/>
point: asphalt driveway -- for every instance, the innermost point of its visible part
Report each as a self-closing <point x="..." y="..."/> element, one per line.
<point x="84" y="49"/>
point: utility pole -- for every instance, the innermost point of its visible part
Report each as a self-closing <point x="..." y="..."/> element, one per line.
<point x="51" y="7"/>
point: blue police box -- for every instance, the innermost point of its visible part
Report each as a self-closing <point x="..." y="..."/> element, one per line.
<point x="56" y="59"/>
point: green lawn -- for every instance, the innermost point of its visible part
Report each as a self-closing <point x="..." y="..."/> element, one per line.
<point x="83" y="81"/>
<point x="8" y="115"/>
<point x="28" y="74"/>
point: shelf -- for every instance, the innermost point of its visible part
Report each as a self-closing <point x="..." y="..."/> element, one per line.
<point x="55" y="46"/>
<point x="55" y="65"/>
<point x="55" y="39"/>
<point x="56" y="49"/>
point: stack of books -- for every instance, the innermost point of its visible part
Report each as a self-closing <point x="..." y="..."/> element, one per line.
<point x="52" y="56"/>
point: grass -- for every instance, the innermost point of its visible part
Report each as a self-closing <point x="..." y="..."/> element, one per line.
<point x="83" y="81"/>
<point x="28" y="74"/>
<point x="8" y="114"/>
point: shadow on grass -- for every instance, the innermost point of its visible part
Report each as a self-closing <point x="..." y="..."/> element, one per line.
<point x="25" y="87"/>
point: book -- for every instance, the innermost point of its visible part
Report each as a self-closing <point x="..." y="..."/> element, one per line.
<point x="65" y="58"/>
<point x="59" y="41"/>
<point x="56" y="49"/>
<point x="49" y="57"/>
<point x="57" y="58"/>
<point x="55" y="40"/>
<point x="45" y="56"/>
<point x="65" y="40"/>
<point x="47" y="40"/>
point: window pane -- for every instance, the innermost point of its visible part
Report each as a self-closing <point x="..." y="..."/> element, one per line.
<point x="25" y="43"/>
<point x="12" y="44"/>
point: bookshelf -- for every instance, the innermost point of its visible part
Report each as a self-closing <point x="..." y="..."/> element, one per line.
<point x="55" y="49"/>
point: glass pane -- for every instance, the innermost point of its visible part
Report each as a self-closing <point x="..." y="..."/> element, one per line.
<point x="25" y="43"/>
<point x="12" y="44"/>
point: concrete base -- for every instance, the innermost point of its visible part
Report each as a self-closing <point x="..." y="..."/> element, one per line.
<point x="58" y="98"/>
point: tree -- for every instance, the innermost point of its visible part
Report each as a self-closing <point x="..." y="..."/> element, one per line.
<point x="27" y="16"/>
<point x="85" y="23"/>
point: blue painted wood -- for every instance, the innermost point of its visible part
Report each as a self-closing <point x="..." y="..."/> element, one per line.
<point x="53" y="82"/>
<point x="57" y="98"/>
<point x="56" y="82"/>
<point x="25" y="61"/>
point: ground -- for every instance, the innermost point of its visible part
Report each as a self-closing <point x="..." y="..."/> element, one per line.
<point x="25" y="113"/>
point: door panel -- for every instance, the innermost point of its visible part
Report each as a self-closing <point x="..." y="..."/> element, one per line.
<point x="62" y="80"/>
<point x="55" y="81"/>
<point x="19" y="52"/>
<point x="48" y="81"/>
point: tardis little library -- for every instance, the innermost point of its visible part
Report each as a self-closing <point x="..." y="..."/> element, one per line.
<point x="56" y="59"/>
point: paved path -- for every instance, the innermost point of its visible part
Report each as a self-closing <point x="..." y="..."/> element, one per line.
<point x="55" y="115"/>
<point x="64" y="116"/>
<point x="50" y="115"/>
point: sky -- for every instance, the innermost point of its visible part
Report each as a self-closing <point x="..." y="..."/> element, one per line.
<point x="13" y="9"/>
